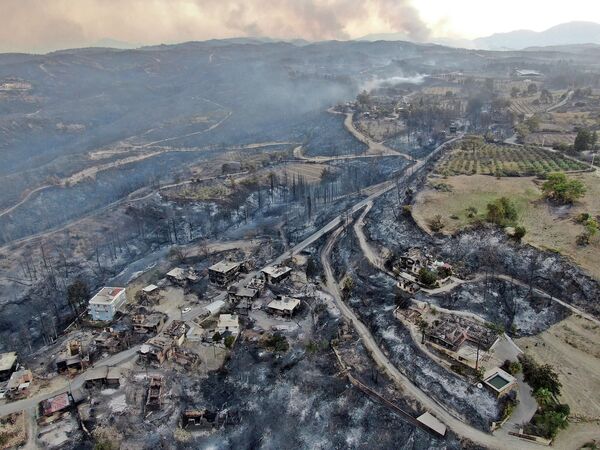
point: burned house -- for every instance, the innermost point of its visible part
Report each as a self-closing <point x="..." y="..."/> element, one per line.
<point x="198" y="419"/>
<point x="276" y="274"/>
<point x="104" y="376"/>
<point x="176" y="331"/>
<point x="182" y="277"/>
<point x="242" y="297"/>
<point x="56" y="404"/>
<point x="149" y="293"/>
<point x="224" y="272"/>
<point x="110" y="341"/>
<point x="76" y="363"/>
<point x="413" y="261"/>
<point x="462" y="339"/>
<point x="185" y="358"/>
<point x="155" y="393"/>
<point x="407" y="283"/>
<point x="156" y="350"/>
<point x="150" y="323"/>
<point x="8" y="364"/>
<point x="19" y="381"/>
<point x="284" y="306"/>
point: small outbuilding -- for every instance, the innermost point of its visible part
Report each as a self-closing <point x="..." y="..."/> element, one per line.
<point x="499" y="381"/>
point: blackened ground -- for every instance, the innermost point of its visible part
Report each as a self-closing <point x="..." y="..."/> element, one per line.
<point x="503" y="303"/>
<point x="299" y="400"/>
<point x="374" y="301"/>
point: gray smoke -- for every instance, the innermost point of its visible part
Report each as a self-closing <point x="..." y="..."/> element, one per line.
<point x="41" y="25"/>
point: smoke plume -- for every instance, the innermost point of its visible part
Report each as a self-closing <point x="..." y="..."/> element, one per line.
<point x="42" y="25"/>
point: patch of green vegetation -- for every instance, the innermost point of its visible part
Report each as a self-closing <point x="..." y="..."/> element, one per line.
<point x="277" y="343"/>
<point x="475" y="156"/>
<point x="562" y="189"/>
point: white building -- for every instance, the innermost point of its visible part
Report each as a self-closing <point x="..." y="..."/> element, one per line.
<point x="106" y="303"/>
<point x="228" y="322"/>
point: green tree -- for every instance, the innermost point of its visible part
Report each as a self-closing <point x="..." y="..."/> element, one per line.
<point x="229" y="340"/>
<point x="427" y="277"/>
<point x="501" y="211"/>
<point x="543" y="396"/>
<point x="583" y="140"/>
<point x="562" y="189"/>
<point x="217" y="337"/>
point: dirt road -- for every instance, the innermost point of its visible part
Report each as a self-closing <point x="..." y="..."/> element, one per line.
<point x="501" y="440"/>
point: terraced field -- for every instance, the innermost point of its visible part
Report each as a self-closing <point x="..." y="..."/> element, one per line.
<point x="473" y="156"/>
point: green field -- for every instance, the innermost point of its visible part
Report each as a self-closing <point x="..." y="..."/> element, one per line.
<point x="472" y="156"/>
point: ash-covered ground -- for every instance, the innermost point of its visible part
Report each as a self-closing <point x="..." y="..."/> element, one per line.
<point x="373" y="300"/>
<point x="300" y="400"/>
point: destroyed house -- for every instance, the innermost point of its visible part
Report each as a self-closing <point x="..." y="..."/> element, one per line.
<point x="413" y="261"/>
<point x="104" y="376"/>
<point x="284" y="306"/>
<point x="8" y="363"/>
<point x="276" y="274"/>
<point x="452" y="331"/>
<point x="75" y="363"/>
<point x="198" y="418"/>
<point x="154" y="397"/>
<point x="177" y="331"/>
<point x="157" y="350"/>
<point x="224" y="272"/>
<point x="55" y="404"/>
<point x="109" y="341"/>
<point x="104" y="305"/>
<point x="148" y="323"/>
<point x="242" y="296"/>
<point x="185" y="358"/>
<point x="181" y="277"/>
<point x="19" y="380"/>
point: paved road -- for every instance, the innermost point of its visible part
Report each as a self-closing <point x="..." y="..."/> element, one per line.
<point x="76" y="383"/>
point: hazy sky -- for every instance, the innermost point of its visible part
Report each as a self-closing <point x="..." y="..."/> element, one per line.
<point x="42" y="25"/>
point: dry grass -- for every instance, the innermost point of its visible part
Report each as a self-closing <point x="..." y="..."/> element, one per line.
<point x="311" y="173"/>
<point x="571" y="347"/>
<point x="547" y="227"/>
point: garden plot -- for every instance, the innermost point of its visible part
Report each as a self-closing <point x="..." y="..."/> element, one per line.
<point x="473" y="156"/>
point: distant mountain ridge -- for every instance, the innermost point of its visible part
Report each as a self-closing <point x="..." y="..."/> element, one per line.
<point x="571" y="33"/>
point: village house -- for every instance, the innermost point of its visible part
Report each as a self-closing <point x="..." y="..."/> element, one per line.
<point x="103" y="376"/>
<point x="148" y="323"/>
<point x="19" y="381"/>
<point x="228" y="323"/>
<point x="181" y="277"/>
<point x="224" y="272"/>
<point x="110" y="341"/>
<point x="104" y="305"/>
<point x="177" y="330"/>
<point x="156" y="350"/>
<point x="198" y="419"/>
<point x="242" y="297"/>
<point x="55" y="404"/>
<point x="276" y="274"/>
<point x="8" y="363"/>
<point x="461" y="339"/>
<point x="149" y="293"/>
<point x="155" y="393"/>
<point x="283" y="306"/>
